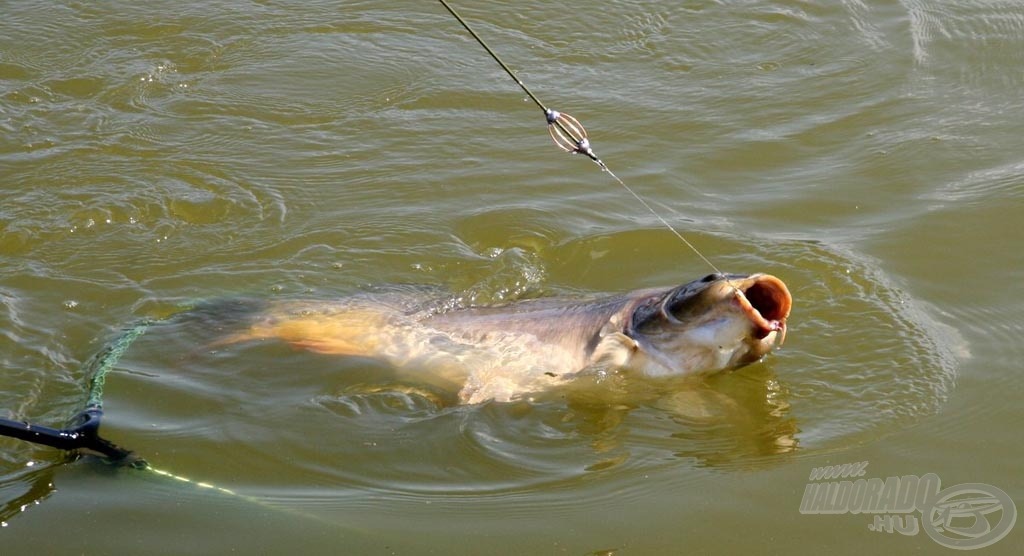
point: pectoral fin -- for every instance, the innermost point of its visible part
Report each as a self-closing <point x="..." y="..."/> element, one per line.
<point x="614" y="349"/>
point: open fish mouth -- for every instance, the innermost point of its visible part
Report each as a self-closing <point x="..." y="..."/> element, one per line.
<point x="766" y="301"/>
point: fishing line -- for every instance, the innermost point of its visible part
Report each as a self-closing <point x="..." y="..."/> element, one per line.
<point x="570" y="136"/>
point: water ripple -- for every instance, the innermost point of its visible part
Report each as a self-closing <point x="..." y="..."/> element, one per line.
<point x="941" y="29"/>
<point x="353" y="424"/>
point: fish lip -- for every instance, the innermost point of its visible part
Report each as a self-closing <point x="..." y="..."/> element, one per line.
<point x="766" y="301"/>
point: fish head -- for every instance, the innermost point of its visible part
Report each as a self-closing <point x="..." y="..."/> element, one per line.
<point x="719" y="322"/>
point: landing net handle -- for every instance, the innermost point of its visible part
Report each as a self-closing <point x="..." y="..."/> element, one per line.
<point x="82" y="432"/>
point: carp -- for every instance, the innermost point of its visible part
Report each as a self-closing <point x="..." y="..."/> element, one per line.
<point x="503" y="353"/>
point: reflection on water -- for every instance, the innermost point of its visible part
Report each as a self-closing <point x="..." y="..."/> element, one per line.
<point x="19" y="491"/>
<point x="719" y="430"/>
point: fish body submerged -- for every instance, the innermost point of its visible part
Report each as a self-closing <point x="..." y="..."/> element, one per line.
<point x="502" y="353"/>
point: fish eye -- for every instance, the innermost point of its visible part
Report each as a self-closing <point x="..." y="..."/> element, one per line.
<point x="712" y="277"/>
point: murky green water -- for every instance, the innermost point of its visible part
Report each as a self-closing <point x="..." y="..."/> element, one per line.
<point x="156" y="154"/>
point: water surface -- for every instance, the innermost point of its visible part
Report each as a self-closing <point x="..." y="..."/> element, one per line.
<point x="153" y="156"/>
